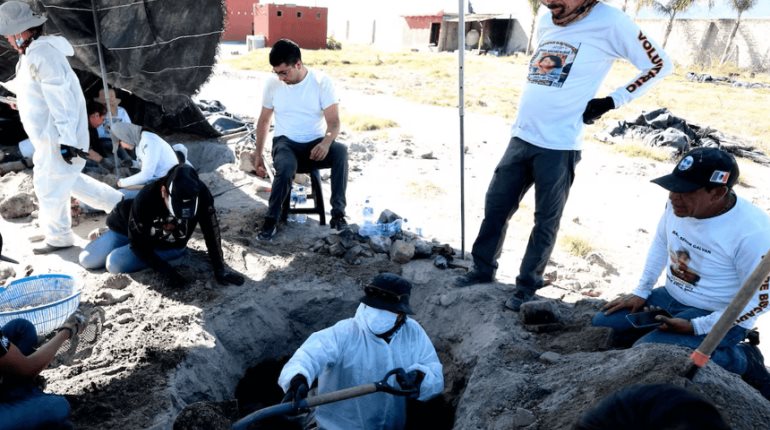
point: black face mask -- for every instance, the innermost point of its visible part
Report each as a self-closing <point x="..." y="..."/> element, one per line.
<point x="388" y="335"/>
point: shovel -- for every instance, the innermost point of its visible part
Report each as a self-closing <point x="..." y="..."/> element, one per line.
<point x="335" y="396"/>
<point x="702" y="354"/>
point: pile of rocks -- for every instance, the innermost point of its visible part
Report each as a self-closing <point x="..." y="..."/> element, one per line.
<point x="401" y="248"/>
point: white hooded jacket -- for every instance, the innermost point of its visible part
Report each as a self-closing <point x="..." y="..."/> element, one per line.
<point x="51" y="103"/>
<point x="348" y="354"/>
<point x="53" y="112"/>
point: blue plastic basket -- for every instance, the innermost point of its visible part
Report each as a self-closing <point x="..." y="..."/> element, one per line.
<point x="44" y="300"/>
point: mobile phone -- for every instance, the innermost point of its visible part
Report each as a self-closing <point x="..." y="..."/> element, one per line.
<point x="647" y="319"/>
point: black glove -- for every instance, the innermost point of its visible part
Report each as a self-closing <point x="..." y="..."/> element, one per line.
<point x="595" y="108"/>
<point x="70" y="152"/>
<point x="174" y="279"/>
<point x="225" y="277"/>
<point x="410" y="381"/>
<point x="297" y="391"/>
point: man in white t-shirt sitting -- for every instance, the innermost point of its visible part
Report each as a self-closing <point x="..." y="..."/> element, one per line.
<point x="709" y="241"/>
<point x="306" y="123"/>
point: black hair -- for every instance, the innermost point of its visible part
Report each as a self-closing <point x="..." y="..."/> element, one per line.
<point x="652" y="406"/>
<point x="555" y="58"/>
<point x="285" y="51"/>
<point x="93" y="107"/>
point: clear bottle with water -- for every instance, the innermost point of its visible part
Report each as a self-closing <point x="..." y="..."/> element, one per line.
<point x="298" y="197"/>
<point x="368" y="212"/>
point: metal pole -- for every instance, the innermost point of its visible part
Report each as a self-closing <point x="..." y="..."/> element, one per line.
<point x="105" y="86"/>
<point x="461" y="97"/>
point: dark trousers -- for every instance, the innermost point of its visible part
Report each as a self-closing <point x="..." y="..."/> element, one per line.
<point x="24" y="406"/>
<point x="289" y="156"/>
<point x="523" y="165"/>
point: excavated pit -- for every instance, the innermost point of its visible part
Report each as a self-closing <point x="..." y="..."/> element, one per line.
<point x="496" y="373"/>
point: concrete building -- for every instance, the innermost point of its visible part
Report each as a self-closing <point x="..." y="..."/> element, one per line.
<point x="239" y="20"/>
<point x="303" y="24"/>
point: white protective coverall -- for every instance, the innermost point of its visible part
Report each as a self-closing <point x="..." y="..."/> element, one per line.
<point x="349" y="354"/>
<point x="53" y="112"/>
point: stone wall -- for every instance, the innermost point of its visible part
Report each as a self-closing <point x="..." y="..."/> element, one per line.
<point x="702" y="42"/>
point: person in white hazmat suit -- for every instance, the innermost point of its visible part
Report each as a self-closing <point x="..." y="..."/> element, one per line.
<point x="53" y="112"/>
<point x="361" y="350"/>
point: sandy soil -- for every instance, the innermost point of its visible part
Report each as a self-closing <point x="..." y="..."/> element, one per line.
<point x="164" y="349"/>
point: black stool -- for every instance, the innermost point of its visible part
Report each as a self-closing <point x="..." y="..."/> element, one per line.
<point x="316" y="193"/>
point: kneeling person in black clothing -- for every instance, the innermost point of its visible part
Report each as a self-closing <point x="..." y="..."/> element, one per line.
<point x="155" y="227"/>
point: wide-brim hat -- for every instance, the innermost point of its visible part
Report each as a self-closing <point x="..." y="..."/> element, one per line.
<point x="389" y="292"/>
<point x="16" y="17"/>
<point x="114" y="100"/>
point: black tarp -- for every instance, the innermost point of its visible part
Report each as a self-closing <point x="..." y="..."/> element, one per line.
<point x="158" y="51"/>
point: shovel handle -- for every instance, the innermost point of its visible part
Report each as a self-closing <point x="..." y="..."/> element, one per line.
<point x="344" y="394"/>
<point x="701" y="355"/>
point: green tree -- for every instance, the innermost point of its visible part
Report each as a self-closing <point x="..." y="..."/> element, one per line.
<point x="739" y="6"/>
<point x="534" y="5"/>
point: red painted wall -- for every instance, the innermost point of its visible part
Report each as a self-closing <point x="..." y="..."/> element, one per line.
<point x="422" y="22"/>
<point x="239" y="20"/>
<point x="304" y="25"/>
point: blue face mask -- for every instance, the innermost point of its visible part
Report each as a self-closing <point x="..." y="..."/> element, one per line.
<point x="20" y="41"/>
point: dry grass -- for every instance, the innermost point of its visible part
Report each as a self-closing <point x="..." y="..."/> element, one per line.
<point x="493" y="86"/>
<point x="638" y="149"/>
<point x="366" y="122"/>
<point x="576" y="245"/>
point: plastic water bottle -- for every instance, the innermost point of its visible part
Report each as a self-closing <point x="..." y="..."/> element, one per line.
<point x="298" y="197"/>
<point x="368" y="212"/>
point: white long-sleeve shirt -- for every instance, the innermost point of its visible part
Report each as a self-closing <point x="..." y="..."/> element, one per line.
<point x="707" y="261"/>
<point x="568" y="68"/>
<point x="156" y="157"/>
<point x="348" y="354"/>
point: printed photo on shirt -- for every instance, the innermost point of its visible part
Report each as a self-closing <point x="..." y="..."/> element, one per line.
<point x="680" y="267"/>
<point x="551" y="64"/>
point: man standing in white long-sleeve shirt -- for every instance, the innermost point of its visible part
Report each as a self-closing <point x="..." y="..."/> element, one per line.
<point x="709" y="241"/>
<point x="578" y="41"/>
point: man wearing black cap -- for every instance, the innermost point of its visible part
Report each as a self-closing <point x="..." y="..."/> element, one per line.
<point x="361" y="350"/>
<point x="709" y="241"/>
<point x="154" y="227"/>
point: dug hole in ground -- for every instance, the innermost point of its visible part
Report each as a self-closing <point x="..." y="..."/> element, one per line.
<point x="163" y="350"/>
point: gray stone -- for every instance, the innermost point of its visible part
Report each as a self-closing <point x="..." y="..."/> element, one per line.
<point x="387" y="216"/>
<point x="599" y="260"/>
<point x="112" y="297"/>
<point x="539" y="312"/>
<point x="516" y="419"/>
<point x="337" y="250"/>
<point x="317" y="245"/>
<point x="18" y="206"/>
<point x="246" y="161"/>
<point x="352" y="255"/>
<point x="380" y="244"/>
<point x="332" y="239"/>
<point x="550" y="357"/>
<point x="422" y="249"/>
<point x="401" y="252"/>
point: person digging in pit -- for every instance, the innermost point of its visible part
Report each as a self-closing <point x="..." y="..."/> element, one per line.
<point x="154" y="227"/>
<point x="361" y="350"/>
<point x="725" y="237"/>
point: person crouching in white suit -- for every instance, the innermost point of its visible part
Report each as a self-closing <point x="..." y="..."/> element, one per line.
<point x="53" y="111"/>
<point x="361" y="350"/>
